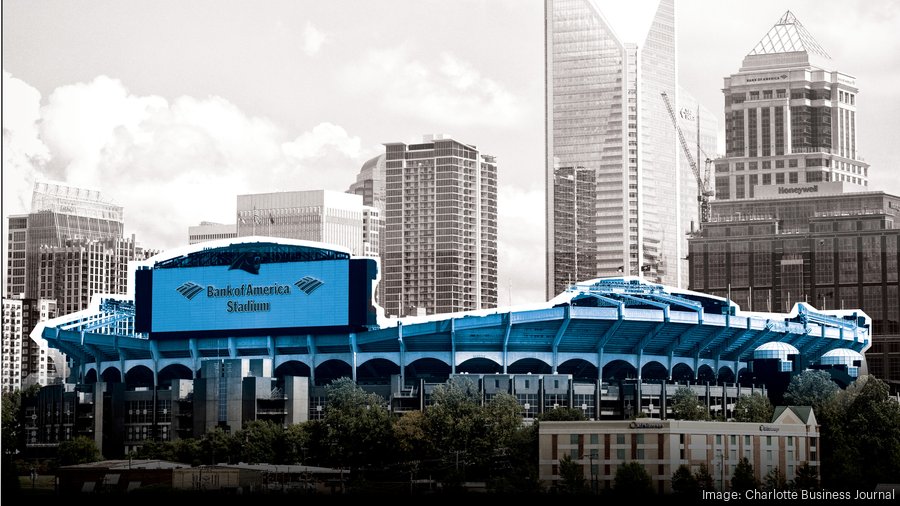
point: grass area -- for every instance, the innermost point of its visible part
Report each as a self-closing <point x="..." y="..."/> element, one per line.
<point x="42" y="483"/>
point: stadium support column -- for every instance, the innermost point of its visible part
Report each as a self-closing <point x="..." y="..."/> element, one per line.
<point x="402" y="354"/>
<point x="154" y="354"/>
<point x="567" y="317"/>
<point x="195" y="356"/>
<point x="453" y="345"/>
<point x="506" y="333"/>
<point x="311" y="349"/>
<point x="354" y="351"/>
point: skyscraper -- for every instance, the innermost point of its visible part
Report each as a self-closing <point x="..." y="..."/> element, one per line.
<point x="313" y="215"/>
<point x="73" y="272"/>
<point x="605" y="113"/>
<point x="789" y="117"/>
<point x="25" y="361"/>
<point x="210" y="231"/>
<point x="440" y="243"/>
<point x="370" y="184"/>
<point x="58" y="212"/>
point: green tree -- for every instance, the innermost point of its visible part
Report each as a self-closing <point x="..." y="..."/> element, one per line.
<point x="80" y="450"/>
<point x="704" y="479"/>
<point x="295" y="443"/>
<point x="807" y="477"/>
<point x="216" y="446"/>
<point x="562" y="415"/>
<point x="755" y="408"/>
<point x="358" y="426"/>
<point x="686" y="407"/>
<point x="571" y="476"/>
<point x="743" y="478"/>
<point x="861" y="431"/>
<point x="632" y="480"/>
<point x="684" y="483"/>
<point x="258" y="442"/>
<point x="775" y="480"/>
<point x="810" y="388"/>
<point x="453" y="423"/>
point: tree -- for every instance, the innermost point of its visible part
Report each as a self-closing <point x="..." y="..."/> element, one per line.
<point x="775" y="480"/>
<point x="358" y="427"/>
<point x="216" y="446"/>
<point x="810" y="388"/>
<point x="561" y="415"/>
<point x="684" y="483"/>
<point x="743" y="478"/>
<point x="704" y="479"/>
<point x="753" y="408"/>
<point x="571" y="476"/>
<point x="258" y="442"/>
<point x="686" y="407"/>
<point x="633" y="480"/>
<point x="807" y="477"/>
<point x="80" y="450"/>
<point x="295" y="443"/>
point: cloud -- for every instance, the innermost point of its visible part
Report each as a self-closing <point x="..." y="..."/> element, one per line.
<point x="24" y="154"/>
<point x="448" y="91"/>
<point x="312" y="39"/>
<point x="520" y="245"/>
<point x="315" y="143"/>
<point x="170" y="163"/>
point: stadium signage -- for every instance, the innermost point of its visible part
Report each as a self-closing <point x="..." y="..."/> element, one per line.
<point x="189" y="290"/>
<point x="645" y="425"/>
<point x="763" y="428"/>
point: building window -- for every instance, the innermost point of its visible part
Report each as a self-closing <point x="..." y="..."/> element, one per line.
<point x="779" y="178"/>
<point x="792" y="177"/>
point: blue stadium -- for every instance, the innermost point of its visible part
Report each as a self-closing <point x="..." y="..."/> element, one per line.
<point x="220" y="333"/>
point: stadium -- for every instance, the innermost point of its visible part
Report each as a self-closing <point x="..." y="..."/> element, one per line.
<point x="223" y="332"/>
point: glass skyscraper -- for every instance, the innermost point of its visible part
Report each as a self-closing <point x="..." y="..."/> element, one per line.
<point x="605" y="113"/>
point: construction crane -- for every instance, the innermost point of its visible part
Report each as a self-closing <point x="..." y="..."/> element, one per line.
<point x="704" y="192"/>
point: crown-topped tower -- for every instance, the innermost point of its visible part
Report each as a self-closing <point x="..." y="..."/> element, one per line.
<point x="789" y="117"/>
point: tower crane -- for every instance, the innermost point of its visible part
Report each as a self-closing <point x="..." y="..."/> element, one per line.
<point x="704" y="192"/>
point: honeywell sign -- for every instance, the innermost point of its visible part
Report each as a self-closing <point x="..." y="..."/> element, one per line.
<point x="800" y="190"/>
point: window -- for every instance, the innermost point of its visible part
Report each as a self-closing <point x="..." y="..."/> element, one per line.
<point x="620" y="439"/>
<point x="779" y="178"/>
<point x="792" y="177"/>
<point x="573" y="439"/>
<point x="640" y="439"/>
<point x="595" y="439"/>
<point x="620" y="454"/>
<point x="718" y="439"/>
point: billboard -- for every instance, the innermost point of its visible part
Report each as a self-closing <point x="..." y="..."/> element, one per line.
<point x="258" y="297"/>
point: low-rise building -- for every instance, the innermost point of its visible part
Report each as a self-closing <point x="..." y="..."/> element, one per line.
<point x="661" y="446"/>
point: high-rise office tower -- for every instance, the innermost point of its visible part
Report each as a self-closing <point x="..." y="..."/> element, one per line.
<point x="312" y="215"/>
<point x="26" y="362"/>
<point x="209" y="231"/>
<point x="828" y="247"/>
<point x="789" y="117"/>
<point x="58" y="212"/>
<point x="74" y="271"/>
<point x="370" y="184"/>
<point x="440" y="243"/>
<point x="605" y="113"/>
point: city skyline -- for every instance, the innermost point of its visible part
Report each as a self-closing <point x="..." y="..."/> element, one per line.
<point x="307" y="93"/>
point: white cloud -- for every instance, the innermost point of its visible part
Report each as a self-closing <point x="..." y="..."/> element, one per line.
<point x="448" y="91"/>
<point x="314" y="144"/>
<point x="520" y="225"/>
<point x="24" y="154"/>
<point x="312" y="39"/>
<point x="171" y="164"/>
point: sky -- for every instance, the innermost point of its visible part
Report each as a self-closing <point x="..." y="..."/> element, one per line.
<point x="173" y="108"/>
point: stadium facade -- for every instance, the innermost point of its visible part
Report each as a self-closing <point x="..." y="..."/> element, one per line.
<point x="223" y="332"/>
